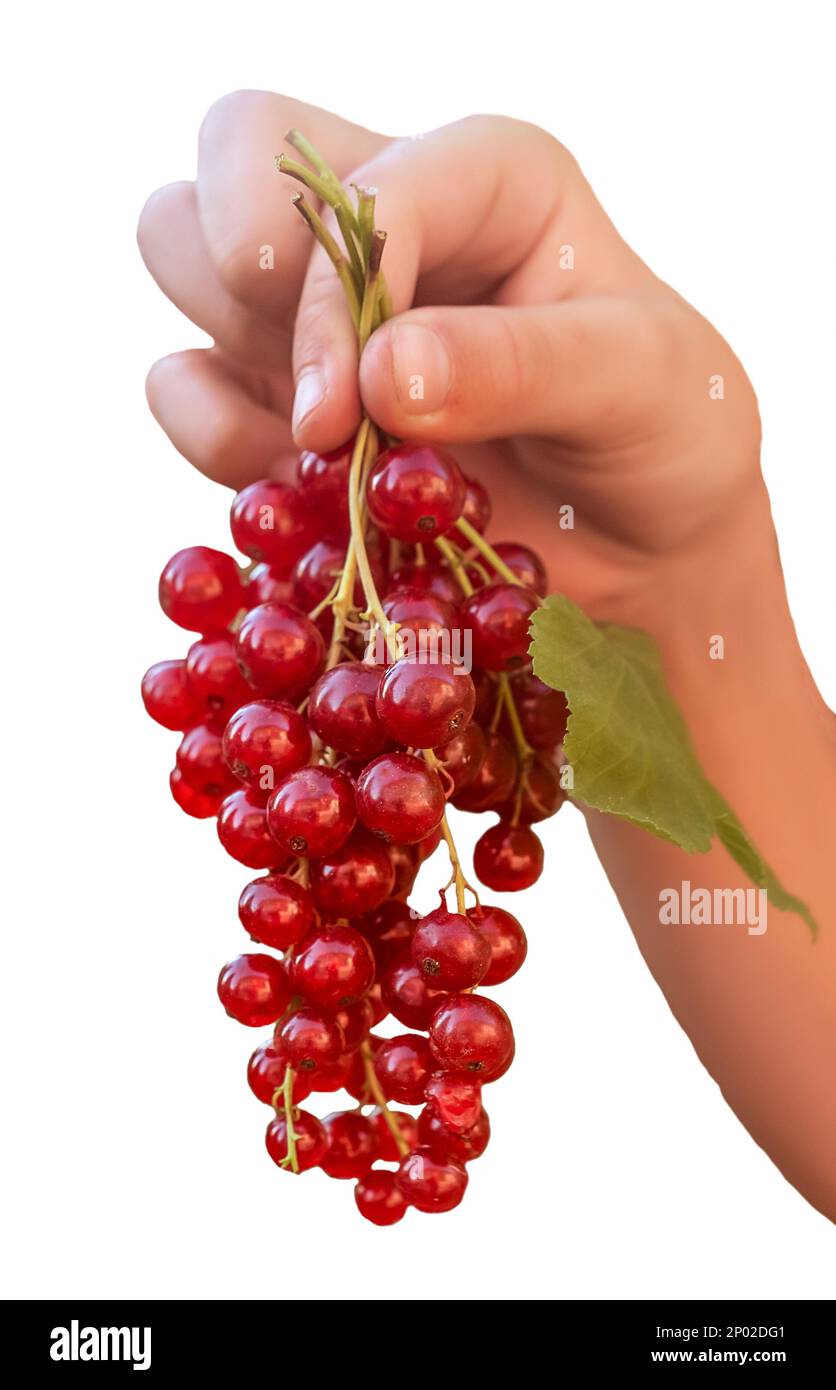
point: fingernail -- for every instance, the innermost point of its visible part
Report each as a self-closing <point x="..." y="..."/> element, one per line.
<point x="308" y="396"/>
<point x="421" y="366"/>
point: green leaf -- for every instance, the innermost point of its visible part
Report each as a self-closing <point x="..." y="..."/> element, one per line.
<point x="628" y="744"/>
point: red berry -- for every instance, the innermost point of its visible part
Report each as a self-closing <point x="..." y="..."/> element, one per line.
<point x="477" y="505"/>
<point x="388" y="1151"/>
<point x="356" y="1020"/>
<point x="419" y="611"/>
<point x="463" y="755"/>
<point x="405" y="862"/>
<point x="355" y="879"/>
<point x="276" y="911"/>
<point x="254" y="989"/>
<point x="265" y="1075"/>
<point x="200" y="762"/>
<point x="543" y="712"/>
<point x="315" y="573"/>
<point x="342" y="710"/>
<point x="201" y="805"/>
<point x="498" y="617"/>
<point x="408" y="996"/>
<point x="456" y="1099"/>
<point x="506" y="939"/>
<point x="243" y="832"/>
<point x="311" y="1141"/>
<point x="280" y="651"/>
<point x="214" y="677"/>
<point x="265" y="585"/>
<point x="310" y="1039"/>
<point x="335" y="1075"/>
<point x="494" y="780"/>
<point x="375" y="1000"/>
<point x="431" y="1183"/>
<point x="422" y="704"/>
<point x="508" y="858"/>
<point x="436" y="578"/>
<point x="537" y="796"/>
<point x="323" y="479"/>
<point x="526" y="565"/>
<point x="416" y="492"/>
<point x="352" y="1145"/>
<point x="429" y="845"/>
<point x="271" y="521"/>
<point x="389" y="930"/>
<point x="333" y="966"/>
<point x="469" y="1033"/>
<point x="461" y="1144"/>
<point x="449" y="951"/>
<point x="403" y="1065"/>
<point x="312" y="811"/>
<point x="379" y="1199"/>
<point x="168" y="696"/>
<point x="400" y="798"/>
<point x="200" y="589"/>
<point x="264" y="741"/>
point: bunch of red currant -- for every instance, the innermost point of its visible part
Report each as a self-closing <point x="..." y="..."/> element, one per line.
<point x="368" y="666"/>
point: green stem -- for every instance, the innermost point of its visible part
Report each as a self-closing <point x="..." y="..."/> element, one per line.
<point x="380" y="1100"/>
<point x="456" y="564"/>
<point x="337" y="259"/>
<point x="485" y="548"/>
<point x="506" y="695"/>
<point x="366" y="442"/>
<point x="292" y="1159"/>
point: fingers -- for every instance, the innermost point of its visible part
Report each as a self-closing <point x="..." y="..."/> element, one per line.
<point x="214" y="423"/>
<point x="583" y="367"/>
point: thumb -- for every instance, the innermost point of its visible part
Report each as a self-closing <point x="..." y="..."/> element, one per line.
<point x="581" y="367"/>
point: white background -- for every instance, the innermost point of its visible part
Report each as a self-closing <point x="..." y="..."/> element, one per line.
<point x="133" y="1149"/>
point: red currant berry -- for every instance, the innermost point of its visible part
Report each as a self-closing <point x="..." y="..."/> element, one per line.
<point x="315" y="573"/>
<point x="265" y="585"/>
<point x="389" y="930"/>
<point x="456" y="1099"/>
<point x="508" y="858"/>
<point x="477" y="505"/>
<point x="280" y="651"/>
<point x="201" y="805"/>
<point x="355" y="1021"/>
<point x="168" y="696"/>
<point x="420" y="610"/>
<point x="355" y="879"/>
<point x="494" y="781"/>
<point x="525" y="564"/>
<point x="264" y="741"/>
<point x="537" y="796"/>
<point x="400" y="798"/>
<point x="406" y="993"/>
<point x="407" y="1125"/>
<point x="379" y="1199"/>
<point x="271" y="521"/>
<point x="311" y="1141"/>
<point x="449" y="951"/>
<point x="352" y="1145"/>
<point x="254" y="989"/>
<point x="323" y="479"/>
<point x="214" y="677"/>
<point x="333" y="966"/>
<point x="375" y="1000"/>
<point x="463" y="1145"/>
<point x="265" y="1075"/>
<point x="428" y="846"/>
<point x="416" y="492"/>
<point x="438" y="579"/>
<point x="463" y="755"/>
<point x="543" y="712"/>
<point x="422" y="704"/>
<point x="403" y="1065"/>
<point x="200" y="589"/>
<point x="405" y="862"/>
<point x="310" y="1039"/>
<point x="469" y="1033"/>
<point x="342" y="710"/>
<point x="312" y="811"/>
<point x="498" y="617"/>
<point x="506" y="939"/>
<point x="200" y="762"/>
<point x="430" y="1182"/>
<point x="335" y="1075"/>
<point x="243" y="832"/>
<point x="276" y="911"/>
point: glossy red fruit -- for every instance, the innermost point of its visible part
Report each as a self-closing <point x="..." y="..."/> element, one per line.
<point x="408" y="996"/>
<point x="498" y="617"/>
<point x="168" y="696"/>
<point x="456" y="1099"/>
<point x="375" y="999"/>
<point x="311" y="1141"/>
<point x="379" y="1199"/>
<point x="214" y="678"/>
<point x="335" y="1076"/>
<point x="201" y="805"/>
<point x="438" y="579"/>
<point x="388" y="929"/>
<point x="264" y="741"/>
<point x="543" y="712"/>
<point x="254" y="989"/>
<point x="265" y="1075"/>
<point x="342" y="711"/>
<point x="200" y="762"/>
<point x="423" y="703"/>
<point x="463" y="755"/>
<point x="405" y="862"/>
<point x="323" y="481"/>
<point x="242" y="830"/>
<point x="494" y="780"/>
<point x="276" y="911"/>
<point x="429" y="845"/>
<point x="388" y="1151"/>
<point x="352" y="1145"/>
<point x="526" y="565"/>
<point x="449" y="952"/>
<point x="316" y="572"/>
<point x="430" y="1182"/>
<point x="280" y="651"/>
<point x="416" y="492"/>
<point x="333" y="966"/>
<point x="200" y="589"/>
<point x="312" y="811"/>
<point x="461" y="1144"/>
<point x="418" y="611"/>
<point x="508" y="858"/>
<point x="470" y="1033"/>
<point x="400" y="798"/>
<point x="506" y="939"/>
<point x="355" y="879"/>
<point x="537" y="796"/>
<point x="355" y="1020"/>
<point x="271" y="521"/>
<point x="266" y="585"/>
<point x="310" y="1039"/>
<point x="403" y="1065"/>
<point x="477" y="505"/>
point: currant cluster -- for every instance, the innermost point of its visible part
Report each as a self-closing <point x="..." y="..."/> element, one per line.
<point x="368" y="666"/>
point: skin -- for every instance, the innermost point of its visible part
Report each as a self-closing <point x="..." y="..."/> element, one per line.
<point x="591" y="386"/>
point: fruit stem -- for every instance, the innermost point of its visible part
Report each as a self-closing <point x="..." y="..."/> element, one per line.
<point x="332" y="250"/>
<point x="457" y="877"/>
<point x="380" y="1100"/>
<point x="291" y="1159"/>
<point x="485" y="548"/>
<point x="342" y="604"/>
<point x="506" y="697"/>
<point x="367" y="311"/>
<point x="366" y="444"/>
<point x="456" y="564"/>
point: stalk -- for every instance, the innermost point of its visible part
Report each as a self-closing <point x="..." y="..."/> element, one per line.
<point x="485" y="548"/>
<point x="380" y="1100"/>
